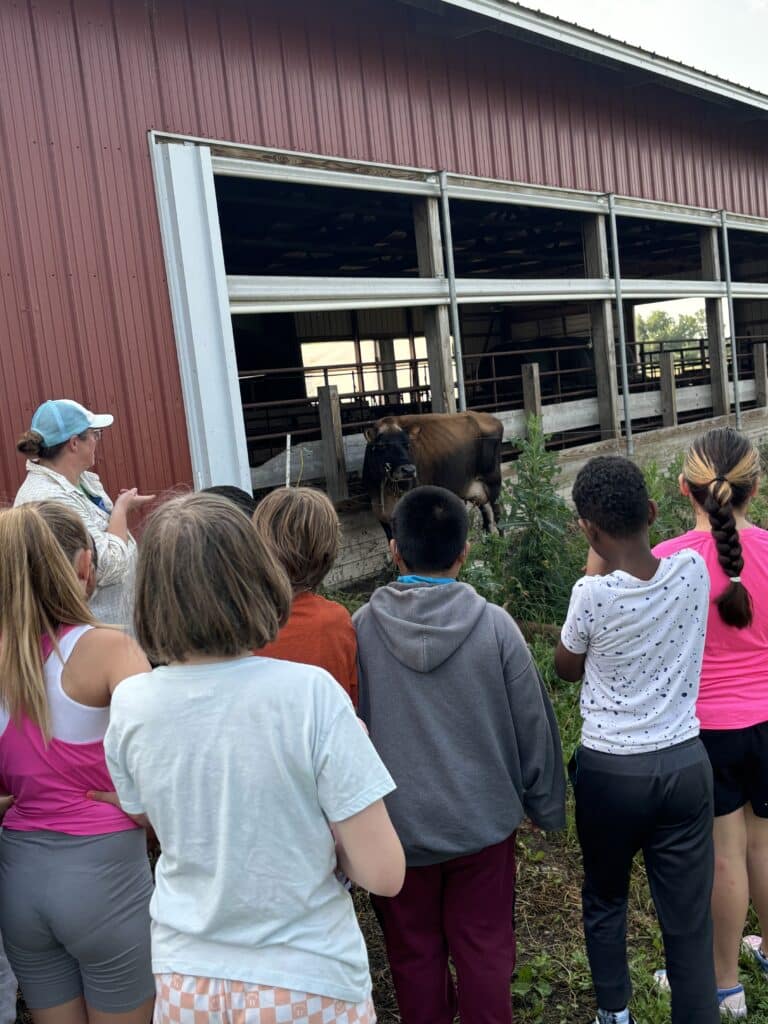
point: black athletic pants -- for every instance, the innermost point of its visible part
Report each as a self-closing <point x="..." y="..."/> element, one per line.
<point x="660" y="803"/>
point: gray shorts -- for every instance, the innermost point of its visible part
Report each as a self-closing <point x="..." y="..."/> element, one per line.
<point x="74" y="916"/>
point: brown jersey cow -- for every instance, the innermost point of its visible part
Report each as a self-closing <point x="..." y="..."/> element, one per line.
<point x="458" y="451"/>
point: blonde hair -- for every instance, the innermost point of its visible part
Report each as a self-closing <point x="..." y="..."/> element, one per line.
<point x="302" y="525"/>
<point x="722" y="469"/>
<point x="39" y="592"/>
<point x="206" y="583"/>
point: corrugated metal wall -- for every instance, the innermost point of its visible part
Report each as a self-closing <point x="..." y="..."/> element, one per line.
<point x="83" y="300"/>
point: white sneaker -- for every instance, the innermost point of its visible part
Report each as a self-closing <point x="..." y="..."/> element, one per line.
<point x="614" y="1017"/>
<point x="752" y="944"/>
<point x="732" y="1002"/>
<point x="660" y="980"/>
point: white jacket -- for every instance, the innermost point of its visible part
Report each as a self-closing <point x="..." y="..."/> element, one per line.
<point x="112" y="602"/>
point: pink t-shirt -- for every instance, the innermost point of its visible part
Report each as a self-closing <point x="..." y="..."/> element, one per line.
<point x="733" y="693"/>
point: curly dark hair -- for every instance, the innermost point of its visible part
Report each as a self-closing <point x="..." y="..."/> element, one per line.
<point x="610" y="492"/>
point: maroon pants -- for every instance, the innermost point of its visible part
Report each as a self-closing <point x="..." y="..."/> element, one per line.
<point x="462" y="907"/>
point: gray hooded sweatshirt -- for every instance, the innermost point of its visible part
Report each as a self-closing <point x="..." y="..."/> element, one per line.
<point x="459" y="715"/>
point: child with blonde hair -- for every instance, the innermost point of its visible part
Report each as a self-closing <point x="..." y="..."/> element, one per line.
<point x="75" y="881"/>
<point x="301" y="524"/>
<point x="240" y="762"/>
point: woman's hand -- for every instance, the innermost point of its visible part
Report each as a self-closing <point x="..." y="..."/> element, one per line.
<point x="131" y="500"/>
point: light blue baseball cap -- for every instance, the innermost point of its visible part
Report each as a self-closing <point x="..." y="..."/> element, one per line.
<point x="60" y="418"/>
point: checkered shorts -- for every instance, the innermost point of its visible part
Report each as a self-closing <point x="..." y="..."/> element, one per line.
<point x="186" y="999"/>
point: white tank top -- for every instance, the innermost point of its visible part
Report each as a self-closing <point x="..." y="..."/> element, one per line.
<point x="71" y="721"/>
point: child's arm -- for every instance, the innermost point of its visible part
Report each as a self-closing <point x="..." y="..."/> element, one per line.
<point x="536" y="733"/>
<point x="571" y="652"/>
<point x="569" y="665"/>
<point x="369" y="852"/>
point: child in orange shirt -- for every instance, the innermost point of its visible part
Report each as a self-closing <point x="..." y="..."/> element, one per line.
<point x="301" y="525"/>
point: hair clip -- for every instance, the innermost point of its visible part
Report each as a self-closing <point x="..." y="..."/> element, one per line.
<point x="735" y="579"/>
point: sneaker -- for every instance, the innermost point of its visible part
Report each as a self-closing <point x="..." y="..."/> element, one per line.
<point x="661" y="981"/>
<point x="732" y="1002"/>
<point x="614" y="1017"/>
<point x="752" y="944"/>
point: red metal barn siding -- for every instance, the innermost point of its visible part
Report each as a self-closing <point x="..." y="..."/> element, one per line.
<point x="84" y="307"/>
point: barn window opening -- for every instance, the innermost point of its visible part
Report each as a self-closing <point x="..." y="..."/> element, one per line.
<point x="498" y="340"/>
<point x="505" y="240"/>
<point x="751" y="316"/>
<point x="377" y="360"/>
<point x="749" y="256"/>
<point x="659" y="249"/>
<point x="285" y="229"/>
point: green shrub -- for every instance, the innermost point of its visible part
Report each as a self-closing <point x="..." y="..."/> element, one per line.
<point x="675" y="513"/>
<point x="531" y="569"/>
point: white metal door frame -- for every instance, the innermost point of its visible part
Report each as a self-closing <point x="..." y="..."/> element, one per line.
<point x="197" y="283"/>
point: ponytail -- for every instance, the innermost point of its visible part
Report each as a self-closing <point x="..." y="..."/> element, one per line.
<point x="722" y="469"/>
<point x="39" y="592"/>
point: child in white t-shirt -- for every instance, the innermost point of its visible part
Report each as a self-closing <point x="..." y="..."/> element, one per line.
<point x="635" y="635"/>
<point x="240" y="763"/>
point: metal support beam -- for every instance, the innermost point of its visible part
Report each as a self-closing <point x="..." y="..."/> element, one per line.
<point x="385" y="348"/>
<point x="668" y="389"/>
<point x="718" y="362"/>
<point x="531" y="391"/>
<point x="731" y="320"/>
<point x="455" y="323"/>
<point x="332" y="443"/>
<point x="620" y="318"/>
<point x="601" y="317"/>
<point x="761" y="374"/>
<point x="426" y="220"/>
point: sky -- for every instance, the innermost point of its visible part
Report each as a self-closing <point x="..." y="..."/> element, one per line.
<point x="724" y="37"/>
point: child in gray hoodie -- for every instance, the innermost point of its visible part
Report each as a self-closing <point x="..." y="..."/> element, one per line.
<point x="458" y="713"/>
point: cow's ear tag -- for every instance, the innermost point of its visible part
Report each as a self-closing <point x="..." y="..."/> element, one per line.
<point x="370" y="434"/>
<point x="414" y="431"/>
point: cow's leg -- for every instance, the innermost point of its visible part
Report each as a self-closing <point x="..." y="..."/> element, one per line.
<point x="489" y="518"/>
<point x="478" y="495"/>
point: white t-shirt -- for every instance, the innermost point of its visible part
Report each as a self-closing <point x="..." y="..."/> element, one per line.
<point x="644" y="641"/>
<point x="240" y="765"/>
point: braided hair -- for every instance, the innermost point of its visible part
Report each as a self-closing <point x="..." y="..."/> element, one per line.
<point x="721" y="469"/>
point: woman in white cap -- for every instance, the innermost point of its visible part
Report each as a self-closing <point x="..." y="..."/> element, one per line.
<point x="61" y="445"/>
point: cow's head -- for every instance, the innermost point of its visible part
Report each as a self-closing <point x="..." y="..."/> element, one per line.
<point x="388" y="458"/>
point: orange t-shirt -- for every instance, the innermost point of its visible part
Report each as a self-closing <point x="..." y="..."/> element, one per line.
<point x="319" y="632"/>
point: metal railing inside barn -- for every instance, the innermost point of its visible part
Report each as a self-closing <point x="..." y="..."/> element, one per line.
<point x="668" y="382"/>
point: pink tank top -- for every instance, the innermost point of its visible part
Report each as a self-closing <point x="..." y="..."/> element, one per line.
<point x="49" y="782"/>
